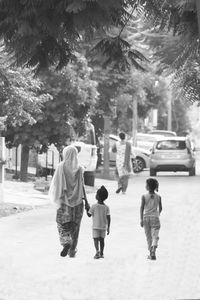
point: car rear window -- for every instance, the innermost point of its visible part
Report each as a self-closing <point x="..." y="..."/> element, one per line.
<point x="146" y="138"/>
<point x="165" y="133"/>
<point x="171" y="145"/>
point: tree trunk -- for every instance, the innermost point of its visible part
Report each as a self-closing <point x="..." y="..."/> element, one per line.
<point x="134" y="120"/>
<point x="2" y="157"/>
<point x="198" y="14"/>
<point x="24" y="163"/>
<point x="106" y="147"/>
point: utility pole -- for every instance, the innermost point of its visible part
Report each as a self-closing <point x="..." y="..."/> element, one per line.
<point x="169" y="116"/>
<point x="169" y="112"/>
<point x="134" y="120"/>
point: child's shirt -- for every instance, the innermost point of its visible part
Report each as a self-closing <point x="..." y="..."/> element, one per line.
<point x="99" y="214"/>
<point x="151" y="207"/>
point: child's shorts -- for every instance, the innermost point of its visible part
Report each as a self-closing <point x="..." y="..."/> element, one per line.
<point x="97" y="233"/>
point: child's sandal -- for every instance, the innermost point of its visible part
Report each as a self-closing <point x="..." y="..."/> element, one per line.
<point x="97" y="255"/>
<point x="153" y="253"/>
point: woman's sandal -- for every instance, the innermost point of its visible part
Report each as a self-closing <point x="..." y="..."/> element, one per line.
<point x="72" y="253"/>
<point x="65" y="250"/>
<point x="151" y="257"/>
<point x="97" y="255"/>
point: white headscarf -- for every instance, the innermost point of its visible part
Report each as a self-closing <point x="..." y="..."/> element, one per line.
<point x="67" y="182"/>
<point x="70" y="158"/>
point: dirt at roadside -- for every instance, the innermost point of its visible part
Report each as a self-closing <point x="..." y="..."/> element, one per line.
<point x="25" y="190"/>
<point x="7" y="209"/>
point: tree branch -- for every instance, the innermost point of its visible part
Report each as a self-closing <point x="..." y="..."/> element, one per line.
<point x="126" y="21"/>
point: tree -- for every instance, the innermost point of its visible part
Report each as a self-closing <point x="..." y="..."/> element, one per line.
<point x="74" y="95"/>
<point x="149" y="90"/>
<point x="21" y="101"/>
<point x="112" y="82"/>
<point x="109" y="83"/>
<point x="180" y="118"/>
<point x="174" y="34"/>
<point x="44" y="33"/>
<point x="38" y="109"/>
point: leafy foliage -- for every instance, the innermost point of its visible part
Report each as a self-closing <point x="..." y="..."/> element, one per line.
<point x="21" y="102"/>
<point x="38" y="109"/>
<point x="188" y="83"/>
<point x="73" y="96"/>
<point x="44" y="33"/>
<point x="117" y="92"/>
<point x="117" y="53"/>
<point x="175" y="38"/>
<point x="150" y="92"/>
<point x="114" y="82"/>
<point x="109" y="83"/>
<point x="180" y="118"/>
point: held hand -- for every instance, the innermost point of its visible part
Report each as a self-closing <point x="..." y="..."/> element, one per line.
<point x="87" y="206"/>
<point x="141" y="223"/>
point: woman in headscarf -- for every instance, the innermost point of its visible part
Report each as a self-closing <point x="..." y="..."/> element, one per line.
<point x="67" y="191"/>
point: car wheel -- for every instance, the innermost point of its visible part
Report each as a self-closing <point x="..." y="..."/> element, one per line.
<point x="138" y="164"/>
<point x="152" y="172"/>
<point x="192" y="171"/>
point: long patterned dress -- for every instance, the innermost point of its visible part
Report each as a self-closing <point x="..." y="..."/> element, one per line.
<point x="123" y="165"/>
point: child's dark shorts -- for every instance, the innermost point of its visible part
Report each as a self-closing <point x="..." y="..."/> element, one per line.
<point x="97" y="233"/>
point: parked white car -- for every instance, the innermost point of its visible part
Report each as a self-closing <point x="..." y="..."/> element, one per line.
<point x="87" y="157"/>
<point x="163" y="132"/>
<point x="146" y="141"/>
<point x="142" y="155"/>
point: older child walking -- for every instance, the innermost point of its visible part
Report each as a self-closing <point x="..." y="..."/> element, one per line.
<point x="100" y="213"/>
<point x="151" y="207"/>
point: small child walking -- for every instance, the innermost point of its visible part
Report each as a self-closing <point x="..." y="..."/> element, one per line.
<point x="151" y="207"/>
<point x="100" y="213"/>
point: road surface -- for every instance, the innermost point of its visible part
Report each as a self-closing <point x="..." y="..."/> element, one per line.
<point x="31" y="268"/>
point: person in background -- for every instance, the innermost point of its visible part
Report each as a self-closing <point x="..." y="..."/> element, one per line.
<point x="124" y="154"/>
<point x="100" y="213"/>
<point x="67" y="191"/>
<point x="68" y="140"/>
<point x="151" y="207"/>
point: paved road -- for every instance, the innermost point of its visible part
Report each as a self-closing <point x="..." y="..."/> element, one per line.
<point x="31" y="268"/>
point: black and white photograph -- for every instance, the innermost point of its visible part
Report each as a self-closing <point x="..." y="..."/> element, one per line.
<point x="100" y="149"/>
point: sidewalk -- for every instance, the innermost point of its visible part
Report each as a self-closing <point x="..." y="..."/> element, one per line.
<point x="22" y="196"/>
<point x="24" y="193"/>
